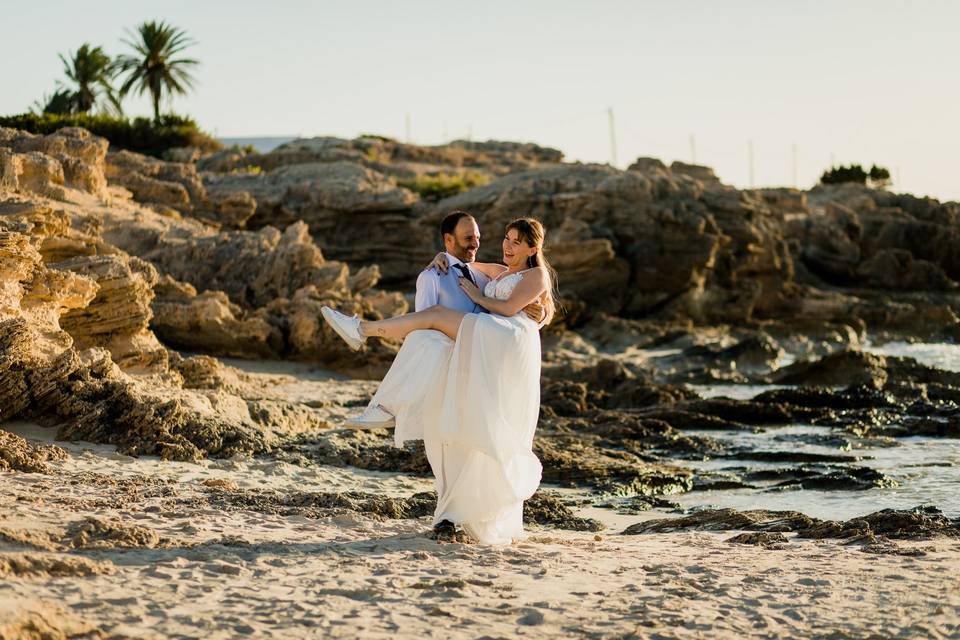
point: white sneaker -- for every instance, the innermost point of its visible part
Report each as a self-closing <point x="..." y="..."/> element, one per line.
<point x="346" y="327"/>
<point x="375" y="417"/>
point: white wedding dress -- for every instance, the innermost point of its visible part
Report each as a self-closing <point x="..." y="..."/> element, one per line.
<point x="479" y="419"/>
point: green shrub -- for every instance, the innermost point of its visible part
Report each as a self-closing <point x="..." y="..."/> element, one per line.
<point x="879" y="177"/>
<point x="838" y="175"/>
<point x="443" y="185"/>
<point x="140" y="134"/>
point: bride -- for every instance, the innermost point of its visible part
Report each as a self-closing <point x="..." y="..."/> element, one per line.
<point x="486" y="413"/>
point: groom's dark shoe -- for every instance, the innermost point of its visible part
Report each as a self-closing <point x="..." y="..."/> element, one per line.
<point x="444" y="531"/>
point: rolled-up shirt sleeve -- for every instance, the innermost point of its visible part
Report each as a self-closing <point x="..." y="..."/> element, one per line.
<point x="428" y="290"/>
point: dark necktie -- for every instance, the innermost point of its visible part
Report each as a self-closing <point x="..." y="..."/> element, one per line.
<point x="466" y="273"/>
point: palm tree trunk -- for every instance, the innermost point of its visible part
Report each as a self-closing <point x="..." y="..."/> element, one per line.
<point x="156" y="108"/>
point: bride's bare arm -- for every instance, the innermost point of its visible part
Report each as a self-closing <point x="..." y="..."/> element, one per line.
<point x="533" y="284"/>
<point x="489" y="269"/>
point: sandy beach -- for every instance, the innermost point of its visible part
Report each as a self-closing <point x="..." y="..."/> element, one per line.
<point x="110" y="546"/>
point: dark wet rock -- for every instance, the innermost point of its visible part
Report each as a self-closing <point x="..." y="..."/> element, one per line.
<point x="843" y="368"/>
<point x="323" y="504"/>
<point x="616" y="452"/>
<point x="767" y="539"/>
<point x="542" y="508"/>
<point x="693" y="420"/>
<point x="919" y="523"/>
<point x="932" y="391"/>
<point x="641" y="393"/>
<point x="756" y="354"/>
<point x="547" y="509"/>
<point x="721" y="485"/>
<point x="632" y="505"/>
<point x="726" y="520"/>
<point x="606" y="451"/>
<point x="372" y="450"/>
<point x="569" y="461"/>
<point x="822" y="478"/>
<point x="936" y="427"/>
<point x="849" y="368"/>
<point x="831" y="440"/>
<point x="787" y="456"/>
<point x="609" y="385"/>
<point x="822" y="399"/>
<point x="745" y="411"/>
<point x="564" y="398"/>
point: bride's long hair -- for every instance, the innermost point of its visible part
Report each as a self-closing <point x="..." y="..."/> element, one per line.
<point x="531" y="231"/>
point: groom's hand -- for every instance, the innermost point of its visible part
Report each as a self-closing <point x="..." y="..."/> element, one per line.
<point x="535" y="311"/>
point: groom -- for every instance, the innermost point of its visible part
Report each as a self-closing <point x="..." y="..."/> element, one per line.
<point x="400" y="399"/>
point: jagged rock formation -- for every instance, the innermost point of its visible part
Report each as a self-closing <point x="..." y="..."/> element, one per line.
<point x="866" y="237"/>
<point x="71" y="157"/>
<point x="76" y="347"/>
<point x="173" y="184"/>
<point x="19" y="455"/>
<point x="211" y="323"/>
<point x="354" y="213"/>
<point x="671" y="243"/>
<point x="392" y="157"/>
<point x="92" y="279"/>
<point x="650" y="239"/>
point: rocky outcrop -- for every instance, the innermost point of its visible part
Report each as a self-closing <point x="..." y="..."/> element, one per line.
<point x="646" y="240"/>
<point x="209" y="322"/>
<point x="119" y="315"/>
<point x="253" y="268"/>
<point x="655" y="241"/>
<point x="18" y="455"/>
<point x="919" y="523"/>
<point x="355" y="214"/>
<point x="70" y="157"/>
<point x="170" y="186"/>
<point x="75" y="325"/>
<point x="398" y="158"/>
<point x="150" y="180"/>
<point x="859" y="236"/>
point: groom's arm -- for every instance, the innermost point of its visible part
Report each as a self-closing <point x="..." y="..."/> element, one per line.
<point x="428" y="290"/>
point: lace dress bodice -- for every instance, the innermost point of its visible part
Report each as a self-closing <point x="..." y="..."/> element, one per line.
<point x="503" y="287"/>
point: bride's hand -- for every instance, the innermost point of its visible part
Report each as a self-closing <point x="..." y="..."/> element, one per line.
<point x="439" y="263"/>
<point x="472" y="290"/>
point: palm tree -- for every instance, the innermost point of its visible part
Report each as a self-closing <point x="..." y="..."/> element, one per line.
<point x="61" y="102"/>
<point x="91" y="70"/>
<point x="155" y="67"/>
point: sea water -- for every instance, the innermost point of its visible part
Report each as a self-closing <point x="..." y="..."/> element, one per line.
<point x="261" y="144"/>
<point x="927" y="470"/>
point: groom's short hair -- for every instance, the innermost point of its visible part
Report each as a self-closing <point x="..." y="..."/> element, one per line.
<point x="450" y="222"/>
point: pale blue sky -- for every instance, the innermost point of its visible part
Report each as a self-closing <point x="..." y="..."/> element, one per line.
<point x="859" y="81"/>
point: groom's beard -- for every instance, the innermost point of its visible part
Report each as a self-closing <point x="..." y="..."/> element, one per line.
<point x="464" y="254"/>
